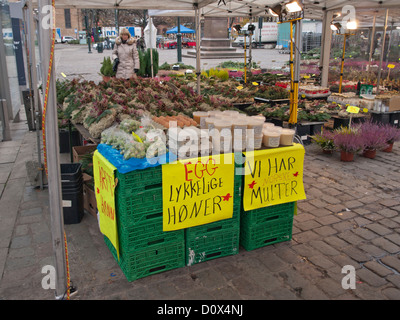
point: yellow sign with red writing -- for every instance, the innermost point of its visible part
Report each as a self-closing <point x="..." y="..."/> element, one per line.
<point x="197" y="191"/>
<point x="104" y="183"/>
<point x="273" y="176"/>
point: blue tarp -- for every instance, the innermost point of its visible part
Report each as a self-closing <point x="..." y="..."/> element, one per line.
<point x="183" y="30"/>
<point x="125" y="166"/>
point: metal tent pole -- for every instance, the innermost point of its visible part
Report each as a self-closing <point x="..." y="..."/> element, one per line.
<point x="198" y="35"/>
<point x="342" y="63"/>
<point x="33" y="87"/>
<point x="371" y="48"/>
<point x="297" y="58"/>
<point x="151" y="46"/>
<point x="382" y="51"/>
<point x="326" y="48"/>
<point x="53" y="160"/>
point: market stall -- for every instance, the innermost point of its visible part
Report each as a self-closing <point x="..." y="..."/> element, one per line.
<point x="103" y="117"/>
<point x="191" y="204"/>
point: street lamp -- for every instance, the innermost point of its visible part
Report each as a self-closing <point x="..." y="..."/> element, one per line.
<point x="351" y="25"/>
<point x="292" y="12"/>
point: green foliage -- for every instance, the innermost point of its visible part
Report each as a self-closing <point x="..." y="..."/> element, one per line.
<point x="220" y="74"/>
<point x="145" y="63"/>
<point x="165" y="66"/>
<point x="236" y="65"/>
<point x="107" y="68"/>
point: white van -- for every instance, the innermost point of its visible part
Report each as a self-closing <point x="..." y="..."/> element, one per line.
<point x="269" y="35"/>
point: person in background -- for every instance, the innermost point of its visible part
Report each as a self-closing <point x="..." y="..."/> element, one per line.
<point x="126" y="52"/>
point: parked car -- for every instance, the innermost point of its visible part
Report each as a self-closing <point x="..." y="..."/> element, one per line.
<point x="171" y="44"/>
<point x="187" y="42"/>
<point x="67" y="39"/>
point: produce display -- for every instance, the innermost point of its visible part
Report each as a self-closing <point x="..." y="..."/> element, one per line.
<point x="311" y="91"/>
<point x="136" y="139"/>
<point x="99" y="106"/>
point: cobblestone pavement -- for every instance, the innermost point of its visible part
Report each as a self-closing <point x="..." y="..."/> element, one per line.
<point x="351" y="217"/>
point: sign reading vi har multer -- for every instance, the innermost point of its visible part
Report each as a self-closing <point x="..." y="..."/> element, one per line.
<point x="197" y="191"/>
<point x="273" y="176"/>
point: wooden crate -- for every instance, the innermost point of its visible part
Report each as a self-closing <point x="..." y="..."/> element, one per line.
<point x="89" y="200"/>
<point x="80" y="151"/>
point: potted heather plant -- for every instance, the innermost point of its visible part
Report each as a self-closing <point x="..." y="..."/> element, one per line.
<point x="348" y="141"/>
<point x="373" y="137"/>
<point x="392" y="134"/>
<point x="325" y="140"/>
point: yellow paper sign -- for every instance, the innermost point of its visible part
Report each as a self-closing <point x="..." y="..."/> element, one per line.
<point x="239" y="88"/>
<point x="104" y="183"/>
<point x="391" y="66"/>
<point x="365" y="110"/>
<point x="353" y="109"/>
<point x="255" y="84"/>
<point x="197" y="191"/>
<point x="306" y="77"/>
<point x="273" y="176"/>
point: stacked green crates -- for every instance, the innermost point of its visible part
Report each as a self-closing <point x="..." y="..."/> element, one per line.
<point x="266" y="226"/>
<point x="216" y="239"/>
<point x="144" y="248"/>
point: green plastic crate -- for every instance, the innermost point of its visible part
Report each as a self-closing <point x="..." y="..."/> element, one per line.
<point x="133" y="209"/>
<point x="262" y="215"/>
<point x="146" y="234"/>
<point x="214" y="243"/>
<point x="154" y="259"/>
<point x="266" y="227"/>
<point x="139" y="180"/>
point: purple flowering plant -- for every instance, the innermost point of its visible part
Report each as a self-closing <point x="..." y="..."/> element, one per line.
<point x="348" y="139"/>
<point x="392" y="134"/>
<point x="373" y="136"/>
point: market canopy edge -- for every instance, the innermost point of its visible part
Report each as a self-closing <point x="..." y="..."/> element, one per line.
<point x="313" y="9"/>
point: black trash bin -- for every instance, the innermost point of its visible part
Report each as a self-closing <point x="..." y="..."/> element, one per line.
<point x="72" y="192"/>
<point x="100" y="47"/>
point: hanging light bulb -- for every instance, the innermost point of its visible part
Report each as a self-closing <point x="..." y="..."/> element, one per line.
<point x="275" y="11"/>
<point x="336" y="26"/>
<point x="351" y="25"/>
<point x="294" y="6"/>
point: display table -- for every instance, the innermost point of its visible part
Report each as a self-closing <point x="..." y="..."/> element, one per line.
<point x="153" y="223"/>
<point x="392" y="118"/>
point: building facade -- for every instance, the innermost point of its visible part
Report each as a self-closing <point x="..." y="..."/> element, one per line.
<point x="69" y="22"/>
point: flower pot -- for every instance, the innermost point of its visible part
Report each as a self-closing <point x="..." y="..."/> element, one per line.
<point x="369" y="153"/>
<point x="346" y="156"/>
<point x="106" y="78"/>
<point x="389" y="148"/>
<point x="327" y="151"/>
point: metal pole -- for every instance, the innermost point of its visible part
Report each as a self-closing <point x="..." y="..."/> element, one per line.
<point x="382" y="51"/>
<point x="198" y="35"/>
<point x="53" y="163"/>
<point x="371" y="48"/>
<point x="151" y="46"/>
<point x="245" y="59"/>
<point x="342" y="64"/>
<point x="33" y="85"/>
<point x="179" y="40"/>
<point x="297" y="57"/>
<point x="326" y="48"/>
<point x="4" y="120"/>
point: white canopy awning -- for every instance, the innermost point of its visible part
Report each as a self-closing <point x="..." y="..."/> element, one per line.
<point x="313" y="9"/>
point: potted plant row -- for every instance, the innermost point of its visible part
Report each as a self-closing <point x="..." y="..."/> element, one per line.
<point x="368" y="137"/>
